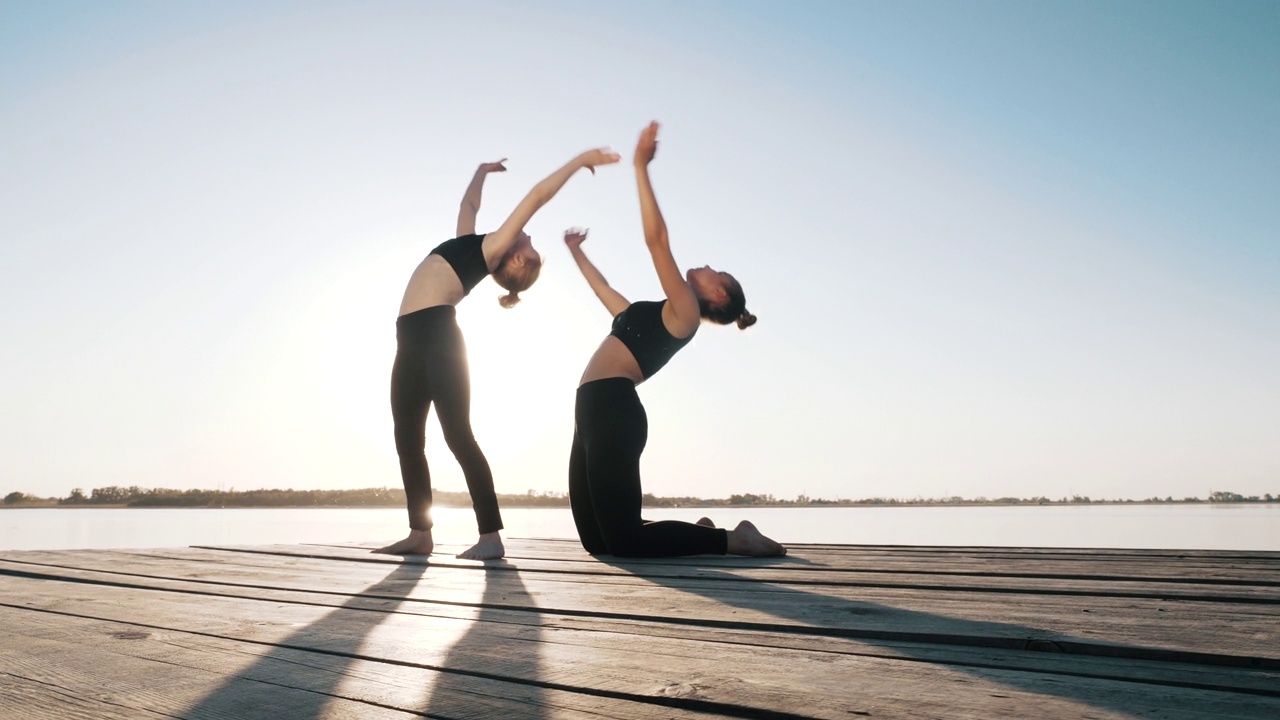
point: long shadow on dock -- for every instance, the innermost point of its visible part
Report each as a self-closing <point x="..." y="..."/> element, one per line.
<point x="523" y="661"/>
<point x="795" y="606"/>
<point x="338" y="635"/>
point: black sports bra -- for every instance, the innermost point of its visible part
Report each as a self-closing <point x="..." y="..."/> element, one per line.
<point x="641" y="329"/>
<point x="466" y="258"/>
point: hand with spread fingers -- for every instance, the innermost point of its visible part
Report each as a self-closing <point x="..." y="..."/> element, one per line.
<point x="647" y="146"/>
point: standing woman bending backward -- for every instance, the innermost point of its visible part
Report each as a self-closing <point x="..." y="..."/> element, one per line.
<point x="610" y="424"/>
<point x="431" y="358"/>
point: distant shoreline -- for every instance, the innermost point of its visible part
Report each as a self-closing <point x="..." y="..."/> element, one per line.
<point x="385" y="497"/>
<point x="787" y="506"/>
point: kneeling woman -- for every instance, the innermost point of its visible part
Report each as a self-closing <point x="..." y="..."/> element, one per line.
<point x="610" y="423"/>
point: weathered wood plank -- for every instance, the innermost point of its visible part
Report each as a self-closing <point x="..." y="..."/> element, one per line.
<point x="1119" y="569"/>
<point x="24" y="698"/>
<point x="1012" y="554"/>
<point x="56" y="680"/>
<point x="685" y="673"/>
<point x="1082" y="552"/>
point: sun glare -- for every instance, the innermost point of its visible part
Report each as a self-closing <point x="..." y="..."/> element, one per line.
<point x="521" y="380"/>
<point x="332" y="369"/>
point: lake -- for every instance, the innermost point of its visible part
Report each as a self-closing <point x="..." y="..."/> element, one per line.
<point x="1218" y="527"/>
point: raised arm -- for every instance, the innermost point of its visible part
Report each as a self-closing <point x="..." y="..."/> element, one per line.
<point x="612" y="299"/>
<point x="471" y="199"/>
<point x="681" y="315"/>
<point x="497" y="243"/>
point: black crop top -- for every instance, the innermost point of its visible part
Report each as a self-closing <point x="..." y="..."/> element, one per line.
<point x="641" y="329"/>
<point x="466" y="258"/>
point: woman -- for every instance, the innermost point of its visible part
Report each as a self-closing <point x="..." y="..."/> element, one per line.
<point x="610" y="423"/>
<point x="431" y="360"/>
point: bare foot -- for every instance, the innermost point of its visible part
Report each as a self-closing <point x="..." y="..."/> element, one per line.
<point x="418" y="543"/>
<point x="747" y="540"/>
<point x="705" y="522"/>
<point x="489" y="548"/>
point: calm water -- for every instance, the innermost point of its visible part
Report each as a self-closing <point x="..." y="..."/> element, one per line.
<point x="1226" y="527"/>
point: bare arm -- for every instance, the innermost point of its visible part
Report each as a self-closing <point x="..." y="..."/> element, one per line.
<point x="681" y="314"/>
<point x="497" y="243"/>
<point x="613" y="300"/>
<point x="471" y="199"/>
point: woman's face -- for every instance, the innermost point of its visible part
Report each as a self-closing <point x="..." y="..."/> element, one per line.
<point x="524" y="248"/>
<point x="708" y="284"/>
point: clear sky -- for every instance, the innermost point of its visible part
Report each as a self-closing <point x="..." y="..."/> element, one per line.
<point x="996" y="248"/>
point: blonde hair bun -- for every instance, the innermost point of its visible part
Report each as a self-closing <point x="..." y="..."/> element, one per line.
<point x="509" y="300"/>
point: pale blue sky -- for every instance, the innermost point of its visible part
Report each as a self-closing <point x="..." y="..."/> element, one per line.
<point x="995" y="248"/>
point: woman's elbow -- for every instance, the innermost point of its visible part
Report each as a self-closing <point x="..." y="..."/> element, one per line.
<point x="657" y="240"/>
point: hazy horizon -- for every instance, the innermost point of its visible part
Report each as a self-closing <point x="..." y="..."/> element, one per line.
<point x="460" y="497"/>
<point x="996" y="248"/>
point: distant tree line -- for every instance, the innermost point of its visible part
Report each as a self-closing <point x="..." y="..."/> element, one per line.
<point x="134" y="496"/>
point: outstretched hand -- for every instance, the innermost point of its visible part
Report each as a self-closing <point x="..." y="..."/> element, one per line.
<point x="573" y="237"/>
<point x="647" y="146"/>
<point x="600" y="156"/>
<point x="492" y="167"/>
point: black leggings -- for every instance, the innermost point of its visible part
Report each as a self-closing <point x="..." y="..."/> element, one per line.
<point x="431" y="367"/>
<point x="604" y="480"/>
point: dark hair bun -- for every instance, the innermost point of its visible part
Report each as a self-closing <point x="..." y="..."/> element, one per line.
<point x="509" y="301"/>
<point x="746" y="320"/>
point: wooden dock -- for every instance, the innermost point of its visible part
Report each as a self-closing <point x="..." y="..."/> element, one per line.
<point x="304" y="631"/>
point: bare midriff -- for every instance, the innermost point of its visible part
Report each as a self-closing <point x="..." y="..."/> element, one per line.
<point x="612" y="360"/>
<point x="433" y="283"/>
